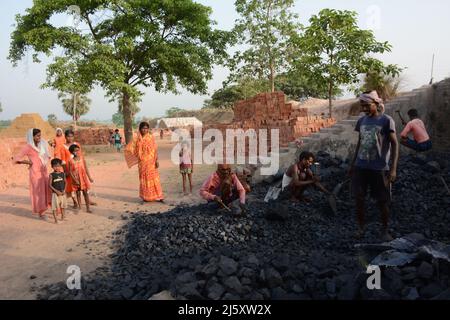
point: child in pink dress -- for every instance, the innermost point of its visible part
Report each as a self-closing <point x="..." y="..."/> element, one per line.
<point x="186" y="166"/>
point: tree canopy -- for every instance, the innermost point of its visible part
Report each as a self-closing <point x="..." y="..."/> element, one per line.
<point x="265" y="29"/>
<point x="125" y="45"/>
<point x="334" y="51"/>
<point x="75" y="104"/>
<point x="386" y="85"/>
<point x="171" y="112"/>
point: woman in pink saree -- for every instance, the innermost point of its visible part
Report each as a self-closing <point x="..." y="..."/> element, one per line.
<point x="37" y="152"/>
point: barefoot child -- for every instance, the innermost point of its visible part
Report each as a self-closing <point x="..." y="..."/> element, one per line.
<point x="81" y="178"/>
<point x="186" y="165"/>
<point x="117" y="140"/>
<point x="57" y="183"/>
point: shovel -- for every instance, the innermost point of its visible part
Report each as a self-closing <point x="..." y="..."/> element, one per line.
<point x="445" y="183"/>
<point x="273" y="193"/>
<point x="223" y="205"/>
<point x="333" y="196"/>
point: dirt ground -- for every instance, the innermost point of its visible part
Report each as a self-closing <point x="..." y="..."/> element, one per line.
<point x="35" y="253"/>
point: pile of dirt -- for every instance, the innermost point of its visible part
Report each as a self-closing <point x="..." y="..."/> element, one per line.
<point x="20" y="126"/>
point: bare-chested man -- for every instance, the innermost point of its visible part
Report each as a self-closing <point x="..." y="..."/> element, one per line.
<point x="299" y="177"/>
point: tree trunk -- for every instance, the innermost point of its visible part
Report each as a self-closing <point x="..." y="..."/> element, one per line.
<point x="330" y="98"/>
<point x="127" y="117"/>
<point x="74" y="101"/>
<point x="272" y="77"/>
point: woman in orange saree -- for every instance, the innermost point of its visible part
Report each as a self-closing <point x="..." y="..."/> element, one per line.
<point x="144" y="152"/>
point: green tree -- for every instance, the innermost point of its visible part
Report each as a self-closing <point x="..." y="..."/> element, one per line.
<point x="224" y="98"/>
<point x="171" y="112"/>
<point x="228" y="95"/>
<point x="1" y="108"/>
<point x="387" y="86"/>
<point x="117" y="119"/>
<point x="52" y="119"/>
<point x="135" y="109"/>
<point x="266" y="28"/>
<point x="128" y="45"/>
<point x="335" y="51"/>
<point x="75" y="104"/>
<point x="297" y="85"/>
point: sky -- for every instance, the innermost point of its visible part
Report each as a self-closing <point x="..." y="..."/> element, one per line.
<point x="415" y="28"/>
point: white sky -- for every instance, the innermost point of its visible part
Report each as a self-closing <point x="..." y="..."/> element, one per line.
<point x="415" y="28"/>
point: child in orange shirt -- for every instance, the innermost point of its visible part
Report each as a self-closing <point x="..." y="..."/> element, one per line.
<point x="81" y="178"/>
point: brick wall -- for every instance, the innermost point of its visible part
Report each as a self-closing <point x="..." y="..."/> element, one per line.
<point x="95" y="136"/>
<point x="439" y="116"/>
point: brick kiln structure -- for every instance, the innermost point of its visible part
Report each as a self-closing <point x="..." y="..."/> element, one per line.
<point x="270" y="111"/>
<point x="20" y="126"/>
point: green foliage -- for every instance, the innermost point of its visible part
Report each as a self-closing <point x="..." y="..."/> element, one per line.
<point x="335" y="51"/>
<point x="5" y="123"/>
<point x="387" y="86"/>
<point x="227" y="96"/>
<point x="224" y="98"/>
<point x="117" y="119"/>
<point x="52" y="120"/>
<point x="171" y="112"/>
<point x="135" y="109"/>
<point x="75" y="104"/>
<point x="125" y="45"/>
<point x="297" y="86"/>
<point x="1" y="108"/>
<point x="265" y="27"/>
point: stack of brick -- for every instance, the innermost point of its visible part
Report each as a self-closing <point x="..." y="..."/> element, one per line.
<point x="10" y="173"/>
<point x="95" y="136"/>
<point x="270" y="111"/>
<point x="266" y="108"/>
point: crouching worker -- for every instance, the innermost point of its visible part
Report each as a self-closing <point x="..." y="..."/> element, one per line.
<point x="222" y="188"/>
<point x="299" y="177"/>
<point x="421" y="140"/>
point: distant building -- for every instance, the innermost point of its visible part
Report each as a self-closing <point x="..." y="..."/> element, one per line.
<point x="178" y="123"/>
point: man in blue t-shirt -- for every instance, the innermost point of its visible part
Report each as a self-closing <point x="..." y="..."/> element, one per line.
<point x="370" y="167"/>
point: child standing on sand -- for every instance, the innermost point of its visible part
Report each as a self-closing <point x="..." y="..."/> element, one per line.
<point x="57" y="183"/>
<point x="117" y="138"/>
<point x="186" y="165"/>
<point x="81" y="178"/>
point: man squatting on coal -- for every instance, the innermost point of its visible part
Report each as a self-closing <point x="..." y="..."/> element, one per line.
<point x="299" y="177"/>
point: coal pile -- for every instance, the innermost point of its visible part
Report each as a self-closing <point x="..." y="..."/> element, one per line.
<point x="308" y="254"/>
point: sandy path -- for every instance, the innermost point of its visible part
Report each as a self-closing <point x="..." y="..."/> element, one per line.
<point x="34" y="253"/>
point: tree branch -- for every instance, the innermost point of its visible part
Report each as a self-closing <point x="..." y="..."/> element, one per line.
<point x="92" y="28"/>
<point x="140" y="81"/>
